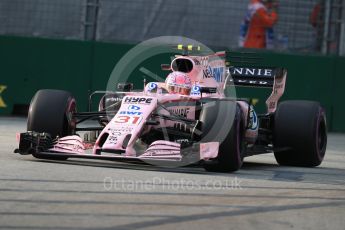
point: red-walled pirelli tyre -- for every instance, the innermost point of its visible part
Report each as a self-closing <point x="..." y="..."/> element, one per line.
<point x="223" y="122"/>
<point x="51" y="112"/>
<point x="300" y="133"/>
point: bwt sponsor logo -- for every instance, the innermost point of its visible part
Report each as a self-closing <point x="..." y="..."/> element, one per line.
<point x="133" y="107"/>
<point x="130" y="113"/>
<point x="152" y="86"/>
<point x="138" y="100"/>
<point x="132" y="110"/>
<point x="195" y="90"/>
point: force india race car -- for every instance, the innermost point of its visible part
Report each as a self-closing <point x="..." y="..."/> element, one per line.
<point x="185" y="120"/>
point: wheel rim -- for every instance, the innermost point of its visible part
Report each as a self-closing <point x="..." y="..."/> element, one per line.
<point x="71" y="122"/>
<point x="240" y="141"/>
<point x="322" y="138"/>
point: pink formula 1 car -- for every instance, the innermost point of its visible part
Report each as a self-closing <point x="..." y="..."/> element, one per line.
<point x="185" y="120"/>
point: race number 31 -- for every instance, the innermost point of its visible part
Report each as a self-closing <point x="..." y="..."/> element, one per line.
<point x="132" y="120"/>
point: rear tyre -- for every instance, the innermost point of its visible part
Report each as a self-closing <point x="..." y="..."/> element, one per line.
<point x="223" y="122"/>
<point x="300" y="133"/>
<point x="51" y="112"/>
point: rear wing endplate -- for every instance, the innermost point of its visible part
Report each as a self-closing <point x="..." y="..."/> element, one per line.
<point x="274" y="78"/>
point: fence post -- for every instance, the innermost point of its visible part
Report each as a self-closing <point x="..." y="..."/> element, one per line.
<point x="342" y="31"/>
<point x="91" y="18"/>
<point x="325" y="38"/>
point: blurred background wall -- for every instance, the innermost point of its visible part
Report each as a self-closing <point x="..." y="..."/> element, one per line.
<point x="215" y="23"/>
<point x="74" y="44"/>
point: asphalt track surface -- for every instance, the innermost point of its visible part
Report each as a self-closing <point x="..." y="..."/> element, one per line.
<point x="38" y="194"/>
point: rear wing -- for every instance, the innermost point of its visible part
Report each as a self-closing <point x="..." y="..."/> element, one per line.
<point x="274" y="78"/>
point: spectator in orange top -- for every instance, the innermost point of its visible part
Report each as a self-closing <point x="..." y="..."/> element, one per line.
<point x="257" y="27"/>
<point x="316" y="20"/>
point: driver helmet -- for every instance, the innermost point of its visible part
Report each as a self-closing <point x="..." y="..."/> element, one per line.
<point x="178" y="83"/>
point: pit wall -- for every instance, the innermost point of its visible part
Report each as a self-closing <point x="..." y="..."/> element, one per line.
<point x="30" y="64"/>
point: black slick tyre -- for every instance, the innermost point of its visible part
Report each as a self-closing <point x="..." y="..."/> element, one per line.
<point x="51" y="112"/>
<point x="300" y="133"/>
<point x="223" y="122"/>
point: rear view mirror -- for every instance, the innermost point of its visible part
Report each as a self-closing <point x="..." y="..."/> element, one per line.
<point x="165" y="67"/>
<point x="125" y="87"/>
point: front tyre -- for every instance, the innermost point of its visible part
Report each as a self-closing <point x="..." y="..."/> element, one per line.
<point x="223" y="122"/>
<point x="300" y="133"/>
<point x="51" y="112"/>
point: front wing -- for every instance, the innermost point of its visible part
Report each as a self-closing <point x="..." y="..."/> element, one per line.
<point x="160" y="152"/>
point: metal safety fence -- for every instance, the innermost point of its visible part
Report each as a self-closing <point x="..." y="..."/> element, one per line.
<point x="302" y="26"/>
